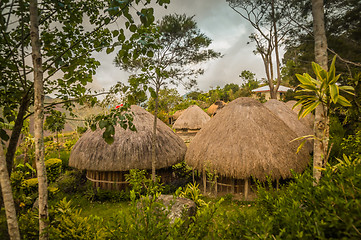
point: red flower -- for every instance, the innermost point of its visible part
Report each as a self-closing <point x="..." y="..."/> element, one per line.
<point x="121" y="105"/>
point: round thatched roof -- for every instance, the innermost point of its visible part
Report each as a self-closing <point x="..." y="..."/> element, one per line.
<point x="308" y="120"/>
<point x="212" y="110"/>
<point x="130" y="149"/>
<point x="290" y="118"/>
<point x="177" y="114"/>
<point x="193" y="118"/>
<point x="246" y="139"/>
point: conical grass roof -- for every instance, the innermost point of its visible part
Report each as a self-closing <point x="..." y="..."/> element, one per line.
<point x="212" y="110"/>
<point x="308" y="120"/>
<point x="130" y="149"/>
<point x="193" y="118"/>
<point x="281" y="110"/>
<point x="245" y="140"/>
<point x="177" y="114"/>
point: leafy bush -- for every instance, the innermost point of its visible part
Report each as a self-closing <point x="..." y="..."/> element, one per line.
<point x="192" y="192"/>
<point x="141" y="184"/>
<point x="29" y="224"/>
<point x="53" y="169"/>
<point x="72" y="182"/>
<point x="330" y="210"/>
<point x="103" y="195"/>
<point x="66" y="222"/>
<point x="351" y="145"/>
<point x="30" y="185"/>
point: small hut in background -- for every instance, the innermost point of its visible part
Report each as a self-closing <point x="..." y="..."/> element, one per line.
<point x="245" y="140"/>
<point x="175" y="116"/>
<point x="106" y="164"/>
<point x="190" y="122"/>
<point x="265" y="90"/>
<point x="308" y="120"/>
<point x="290" y="118"/>
<point x="215" y="107"/>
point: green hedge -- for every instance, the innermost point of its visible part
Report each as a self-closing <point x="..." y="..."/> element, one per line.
<point x="53" y="168"/>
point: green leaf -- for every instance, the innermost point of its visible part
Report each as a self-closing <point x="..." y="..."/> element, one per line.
<point x="133" y="28"/>
<point x="115" y="33"/>
<point x="152" y="92"/>
<point x="103" y="124"/>
<point x="347" y="89"/>
<point x="3" y="135"/>
<point x="332" y="70"/>
<point x="150" y="54"/>
<point x="304" y="79"/>
<point x="109" y="139"/>
<point x="109" y="50"/>
<point x="310" y="108"/>
<point x="334" y="93"/>
<point x="343" y="101"/>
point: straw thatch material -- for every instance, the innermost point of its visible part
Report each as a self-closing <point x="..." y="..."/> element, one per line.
<point x="246" y="139"/>
<point x="175" y="116"/>
<point x="193" y="118"/>
<point x="215" y="107"/>
<point x="130" y="149"/>
<point x="308" y="120"/>
<point x="290" y="118"/>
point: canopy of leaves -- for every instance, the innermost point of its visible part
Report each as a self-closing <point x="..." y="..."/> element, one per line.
<point x="70" y="32"/>
<point x="166" y="52"/>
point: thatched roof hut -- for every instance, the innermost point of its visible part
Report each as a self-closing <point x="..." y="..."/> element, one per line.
<point x="215" y="107"/>
<point x="193" y="118"/>
<point x="130" y="149"/>
<point x="281" y="110"/>
<point x="245" y="139"/>
<point x="189" y="123"/>
<point x="308" y="120"/>
<point x="175" y="116"/>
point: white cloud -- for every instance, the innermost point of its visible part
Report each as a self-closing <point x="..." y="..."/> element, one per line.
<point x="218" y="21"/>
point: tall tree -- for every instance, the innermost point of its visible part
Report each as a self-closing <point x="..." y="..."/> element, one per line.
<point x="7" y="194"/>
<point x="268" y="20"/>
<point x="165" y="53"/>
<point x="67" y="66"/>
<point x="342" y="25"/>
<point x="321" y="128"/>
<point x="39" y="119"/>
<point x="67" y="48"/>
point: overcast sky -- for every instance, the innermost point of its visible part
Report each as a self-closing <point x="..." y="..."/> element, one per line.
<point x="218" y="21"/>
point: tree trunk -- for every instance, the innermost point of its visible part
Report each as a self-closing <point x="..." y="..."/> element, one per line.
<point x="15" y="133"/>
<point x="39" y="120"/>
<point x="13" y="227"/>
<point x="154" y="139"/>
<point x="246" y="188"/>
<point x="278" y="64"/>
<point x="321" y="118"/>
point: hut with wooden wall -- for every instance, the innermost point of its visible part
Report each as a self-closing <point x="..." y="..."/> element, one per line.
<point x="215" y="107"/>
<point x="106" y="164"/>
<point x="245" y="140"/>
<point x="190" y="122"/>
<point x="175" y="116"/>
<point x="308" y="120"/>
<point x="281" y="110"/>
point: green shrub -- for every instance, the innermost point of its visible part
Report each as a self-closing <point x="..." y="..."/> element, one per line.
<point x="72" y="182"/>
<point x="53" y="169"/>
<point x="30" y="185"/>
<point x="66" y="222"/>
<point x="351" y="146"/>
<point x="29" y="224"/>
<point x="141" y="184"/>
<point x="104" y="195"/>
<point x="330" y="210"/>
